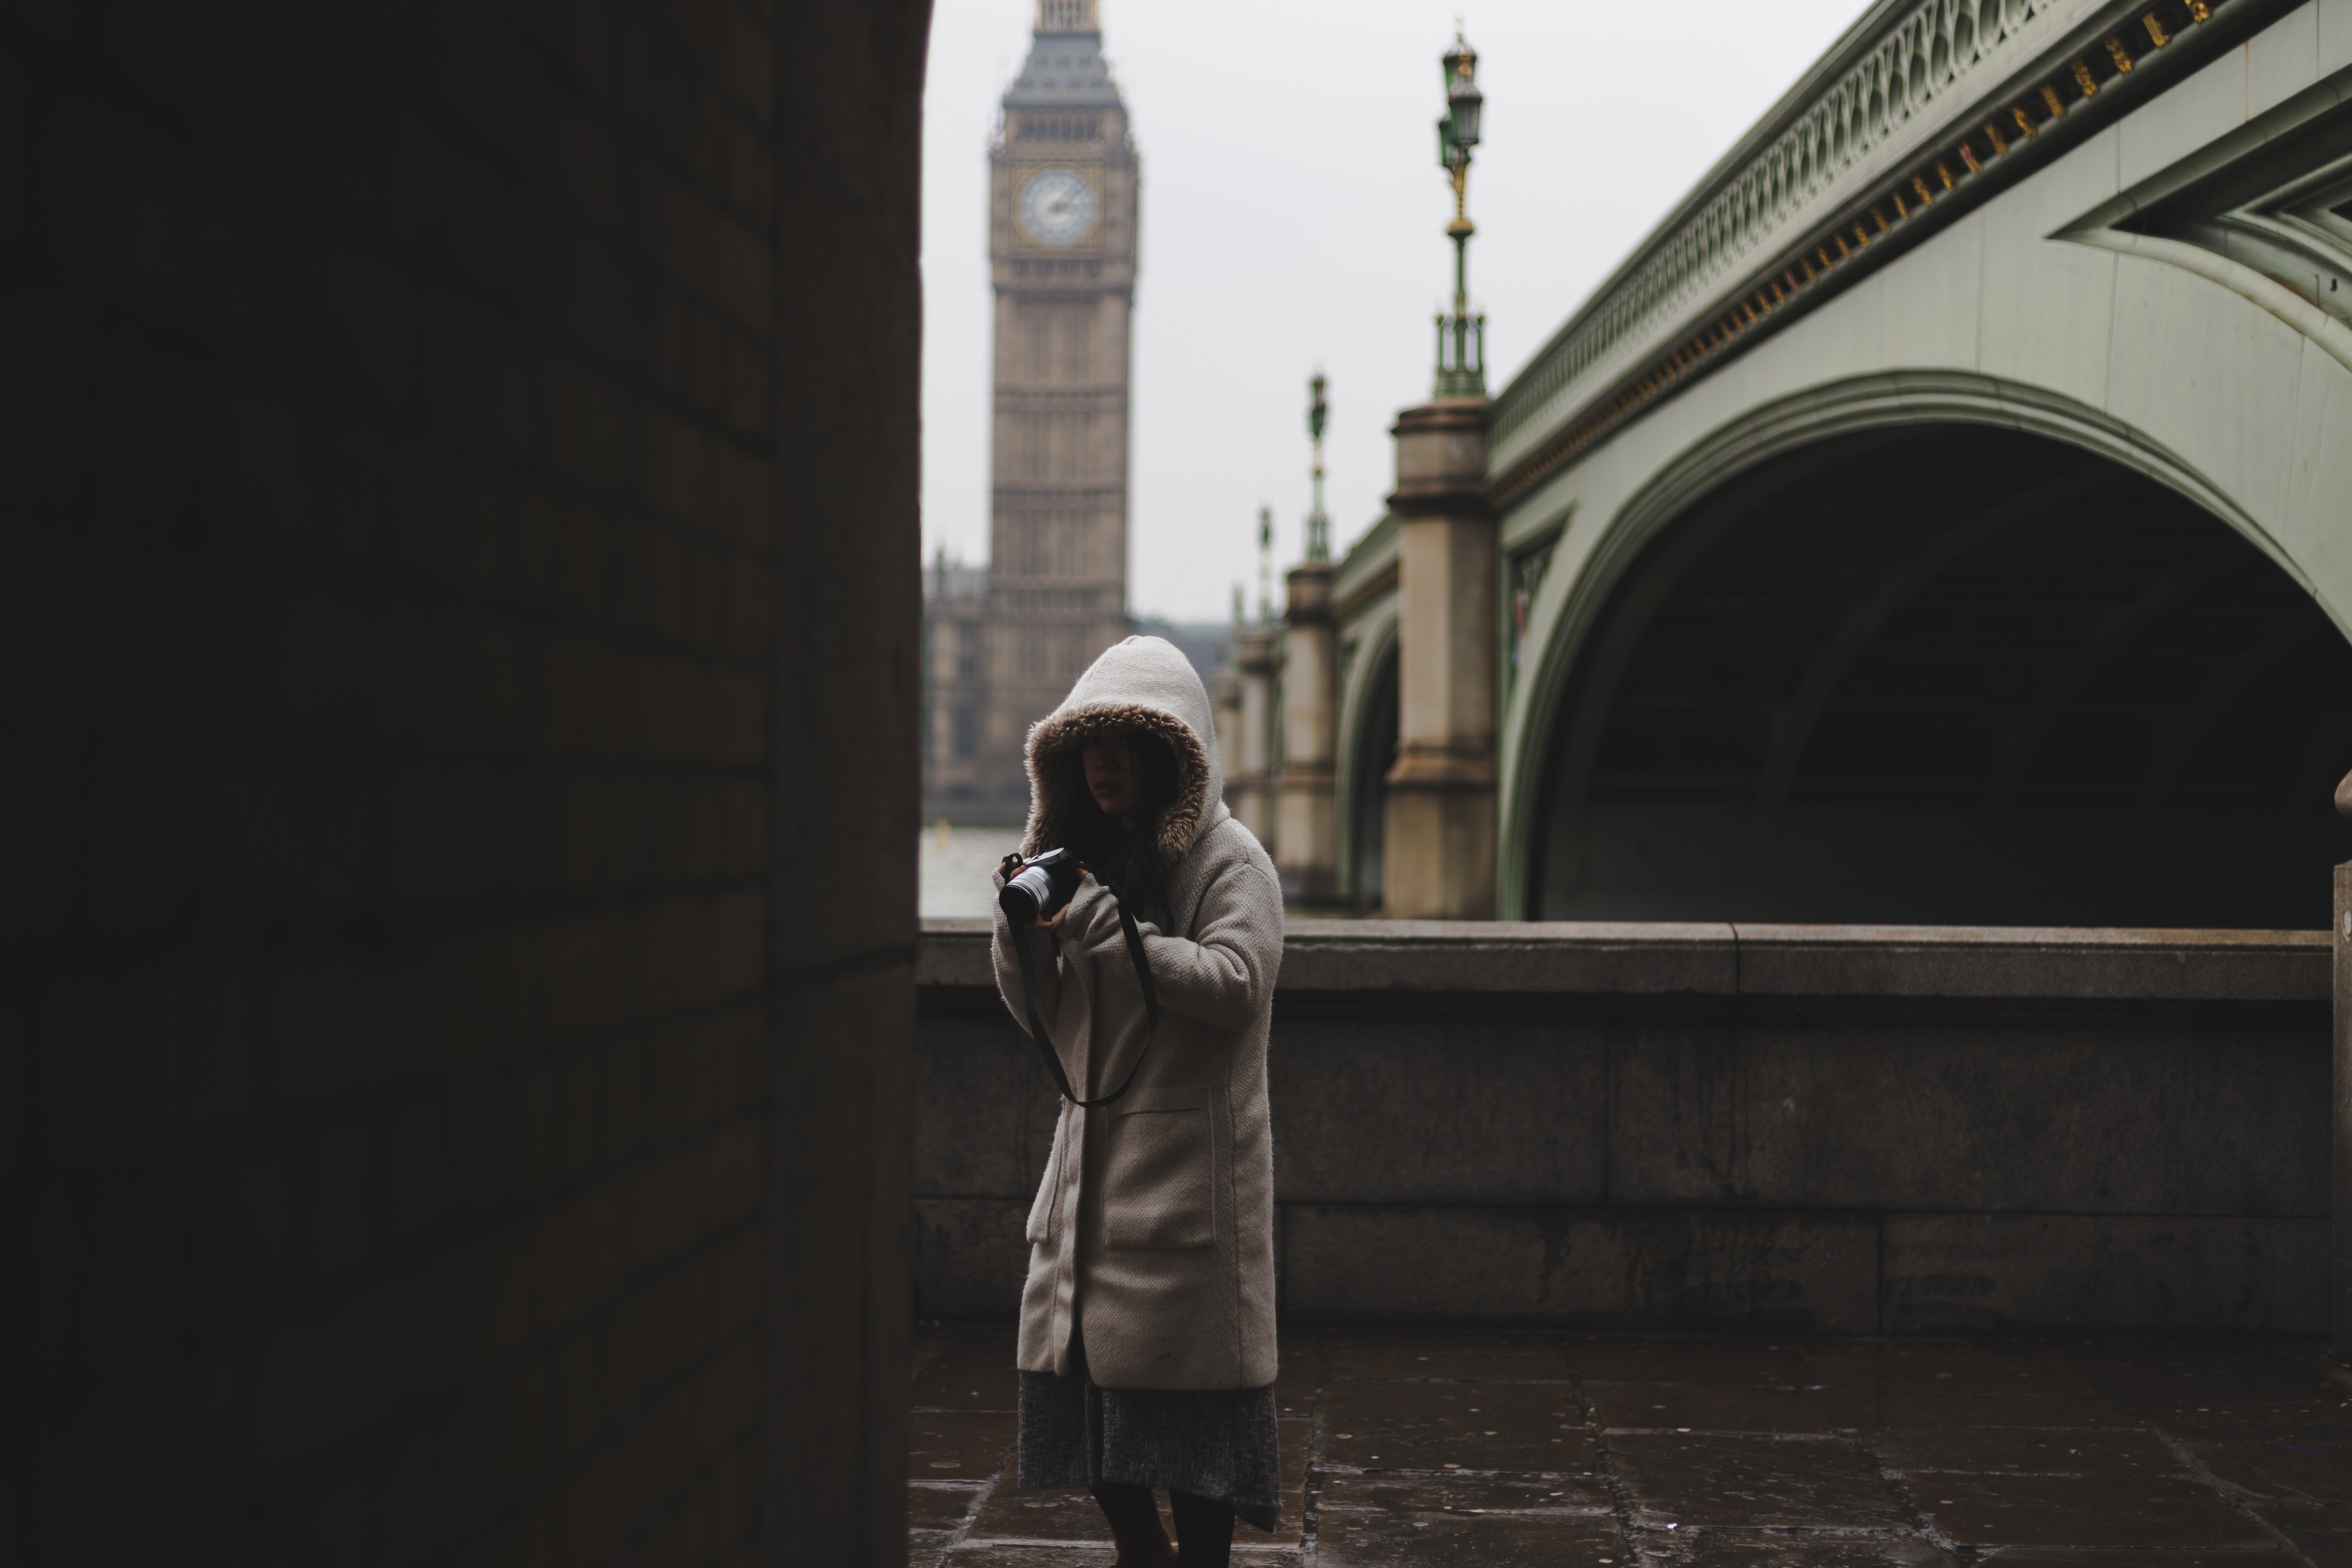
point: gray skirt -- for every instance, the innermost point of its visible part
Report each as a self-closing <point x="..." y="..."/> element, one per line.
<point x="1220" y="1444"/>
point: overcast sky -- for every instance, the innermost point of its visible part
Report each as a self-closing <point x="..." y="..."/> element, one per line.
<point x="1294" y="215"/>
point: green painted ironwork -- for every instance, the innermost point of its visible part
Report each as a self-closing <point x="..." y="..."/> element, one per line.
<point x="1318" y="525"/>
<point x="1462" y="372"/>
<point x="1914" y="101"/>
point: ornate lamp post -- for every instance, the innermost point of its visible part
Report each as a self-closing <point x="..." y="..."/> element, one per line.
<point x="1464" y="373"/>
<point x="1264" y="565"/>
<point x="1439" y="832"/>
<point x="1252" y="785"/>
<point x="1318" y="527"/>
<point x="1306" y="838"/>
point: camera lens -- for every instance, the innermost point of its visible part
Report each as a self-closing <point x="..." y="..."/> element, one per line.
<point x="1026" y="895"/>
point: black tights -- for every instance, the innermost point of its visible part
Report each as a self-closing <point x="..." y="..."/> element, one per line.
<point x="1204" y="1529"/>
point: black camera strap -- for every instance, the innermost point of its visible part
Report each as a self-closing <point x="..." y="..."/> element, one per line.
<point x="1037" y="1029"/>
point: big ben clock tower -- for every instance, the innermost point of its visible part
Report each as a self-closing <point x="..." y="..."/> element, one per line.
<point x="1062" y="253"/>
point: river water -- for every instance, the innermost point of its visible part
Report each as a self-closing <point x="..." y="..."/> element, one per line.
<point x="953" y="868"/>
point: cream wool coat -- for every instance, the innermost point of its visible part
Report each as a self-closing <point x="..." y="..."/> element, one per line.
<point x="1152" y="1233"/>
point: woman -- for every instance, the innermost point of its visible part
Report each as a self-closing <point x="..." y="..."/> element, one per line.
<point x="1147" y="1324"/>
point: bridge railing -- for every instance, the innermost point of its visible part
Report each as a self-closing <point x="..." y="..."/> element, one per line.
<point x="1896" y="130"/>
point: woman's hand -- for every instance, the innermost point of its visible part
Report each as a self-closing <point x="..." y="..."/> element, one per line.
<point x="1055" y="925"/>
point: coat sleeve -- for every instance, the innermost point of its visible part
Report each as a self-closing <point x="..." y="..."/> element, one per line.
<point x="1081" y="927"/>
<point x="1043" y="968"/>
<point x="1224" y="976"/>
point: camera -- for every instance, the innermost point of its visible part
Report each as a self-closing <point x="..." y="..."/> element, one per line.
<point x="1036" y="889"/>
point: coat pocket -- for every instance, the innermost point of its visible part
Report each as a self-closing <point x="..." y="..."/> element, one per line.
<point x="1158" y="1182"/>
<point x="1040" y="1229"/>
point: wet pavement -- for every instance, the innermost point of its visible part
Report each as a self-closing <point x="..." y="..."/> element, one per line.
<point x="1658" y="1452"/>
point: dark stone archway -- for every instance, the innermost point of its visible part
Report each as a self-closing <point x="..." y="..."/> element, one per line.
<point x="1949" y="675"/>
<point x="461" y="592"/>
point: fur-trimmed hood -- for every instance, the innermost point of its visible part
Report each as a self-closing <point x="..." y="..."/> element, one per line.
<point x="1143" y="683"/>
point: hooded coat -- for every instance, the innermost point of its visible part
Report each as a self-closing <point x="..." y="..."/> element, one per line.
<point x="1152" y="1233"/>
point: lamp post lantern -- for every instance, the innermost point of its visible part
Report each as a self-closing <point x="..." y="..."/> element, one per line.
<point x="1462" y="372"/>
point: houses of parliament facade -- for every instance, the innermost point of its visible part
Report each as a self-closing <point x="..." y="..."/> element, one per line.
<point x="1004" y="644"/>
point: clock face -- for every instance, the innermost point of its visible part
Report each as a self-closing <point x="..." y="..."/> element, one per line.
<point x="1058" y="208"/>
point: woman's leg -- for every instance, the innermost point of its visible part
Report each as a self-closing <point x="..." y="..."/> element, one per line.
<point x="1135" y="1525"/>
<point x="1204" y="1531"/>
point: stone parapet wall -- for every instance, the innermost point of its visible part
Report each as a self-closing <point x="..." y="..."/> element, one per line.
<point x="1847" y="1129"/>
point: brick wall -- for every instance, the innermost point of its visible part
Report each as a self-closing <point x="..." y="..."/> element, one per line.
<point x="428" y="1134"/>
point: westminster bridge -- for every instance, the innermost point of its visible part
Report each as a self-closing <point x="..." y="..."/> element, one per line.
<point x="1944" y="515"/>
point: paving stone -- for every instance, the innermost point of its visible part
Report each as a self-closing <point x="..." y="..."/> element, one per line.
<point x="1923" y="1450"/>
<point x="1490" y="1540"/>
<point x="1290" y="1531"/>
<point x="2322" y="1534"/>
<point x="2011" y="1456"/>
<point x="2224" y="1393"/>
<point x="2090" y="1557"/>
<point x="1710" y="1548"/>
<point x="939" y="1507"/>
<point x="1698" y="1407"/>
<point x="1051" y="1514"/>
<point x="998" y="1555"/>
<point x="1061" y="1515"/>
<point x="1409" y="1426"/>
<point x="2172" y="1373"/>
<point x="1670" y="1358"/>
<point x="1297" y="1438"/>
<point x="1938" y="1366"/>
<point x="964" y="1369"/>
<point x="959" y="1444"/>
<point x="1465" y="1494"/>
<point x="2283" y="1471"/>
<point x="1875" y="1409"/>
<point x="2320" y="1422"/>
<point x="1457" y="1355"/>
<point x="1088" y="1554"/>
<point x="1300" y="1373"/>
<point x="1752" y="1482"/>
<point x="2039" y="1511"/>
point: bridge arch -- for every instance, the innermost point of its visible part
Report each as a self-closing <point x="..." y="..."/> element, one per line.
<point x="1932" y="648"/>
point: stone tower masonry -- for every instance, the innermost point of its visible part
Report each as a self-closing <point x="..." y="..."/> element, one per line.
<point x="1062" y="249"/>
